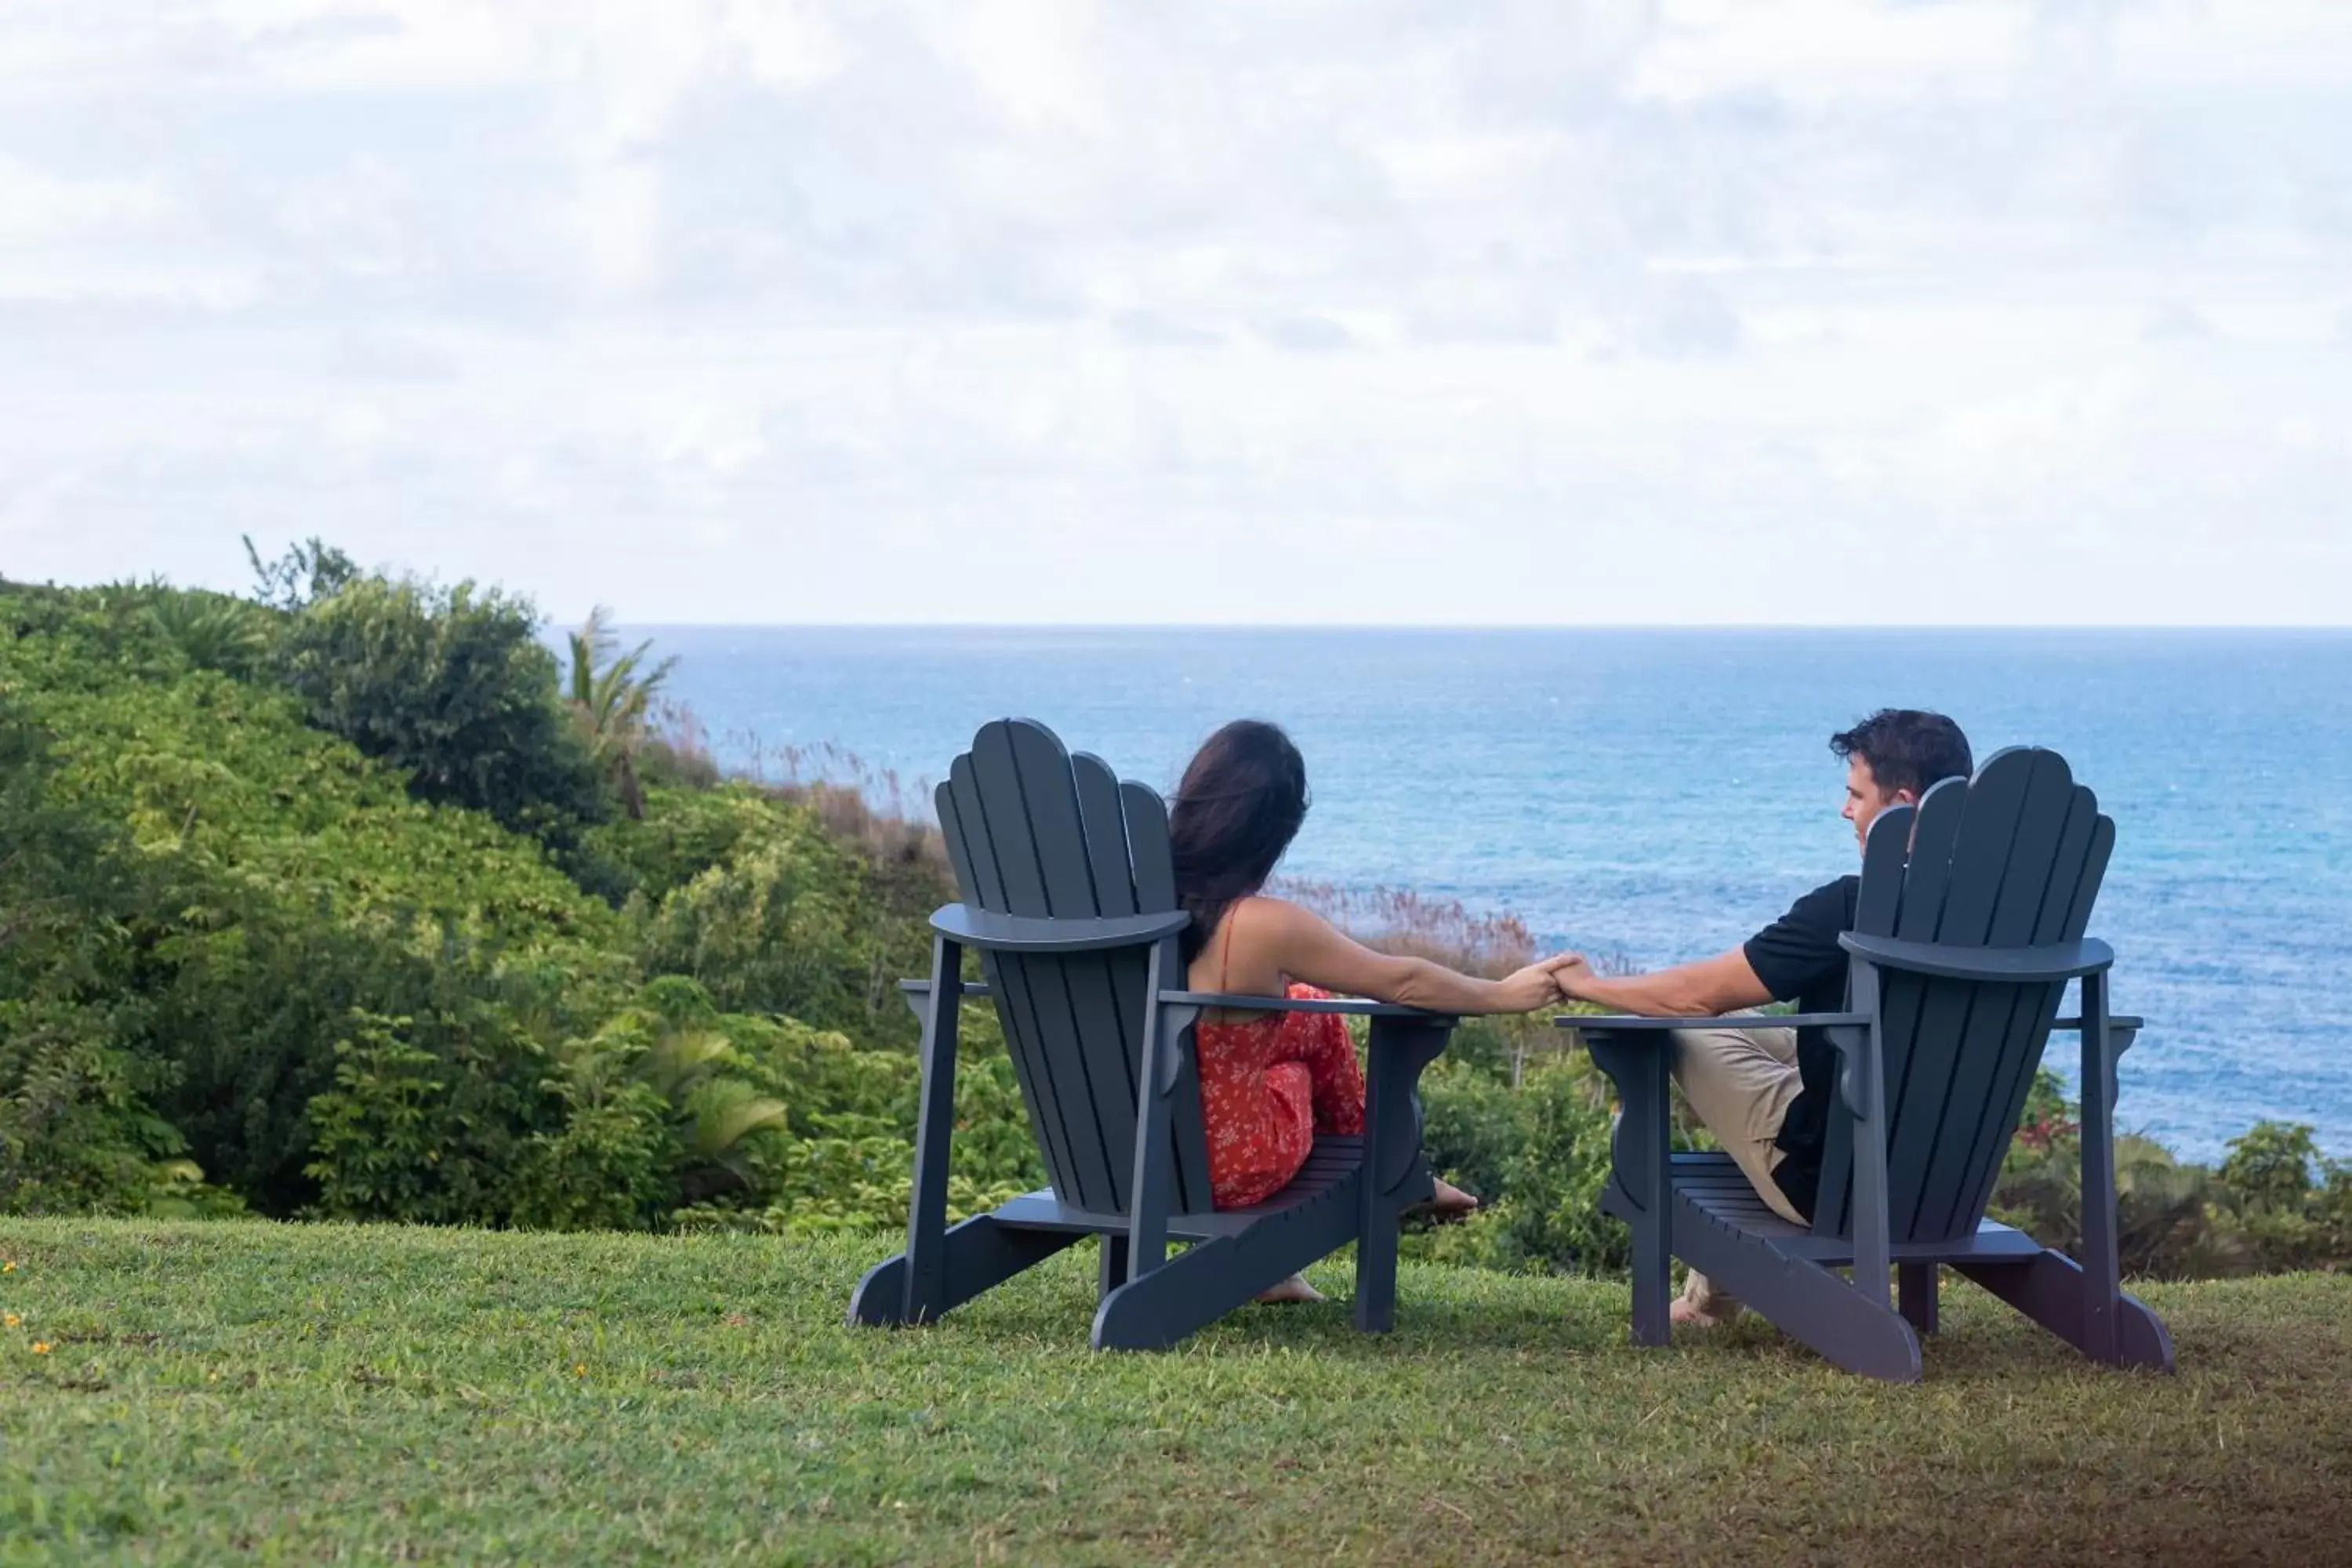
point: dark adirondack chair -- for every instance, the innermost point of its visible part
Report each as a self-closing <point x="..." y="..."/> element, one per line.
<point x="1069" y="897"/>
<point x="1970" y="923"/>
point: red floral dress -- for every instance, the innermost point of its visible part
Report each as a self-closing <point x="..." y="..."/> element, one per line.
<point x="1268" y="1085"/>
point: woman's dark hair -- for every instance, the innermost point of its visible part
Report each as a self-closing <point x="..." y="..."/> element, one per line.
<point x="1906" y="749"/>
<point x="1237" y="809"/>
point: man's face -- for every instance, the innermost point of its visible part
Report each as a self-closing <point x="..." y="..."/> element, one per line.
<point x="1865" y="800"/>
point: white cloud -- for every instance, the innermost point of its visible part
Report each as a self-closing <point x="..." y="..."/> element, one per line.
<point x="2175" y="322"/>
<point x="1733" y="309"/>
<point x="41" y="208"/>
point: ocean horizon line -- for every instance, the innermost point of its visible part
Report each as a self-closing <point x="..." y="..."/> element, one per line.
<point x="2284" y="629"/>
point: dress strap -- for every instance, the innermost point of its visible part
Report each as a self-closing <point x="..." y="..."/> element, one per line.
<point x="1225" y="962"/>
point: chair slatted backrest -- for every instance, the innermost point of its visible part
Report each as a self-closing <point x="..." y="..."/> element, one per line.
<point x="2011" y="858"/>
<point x="1032" y="830"/>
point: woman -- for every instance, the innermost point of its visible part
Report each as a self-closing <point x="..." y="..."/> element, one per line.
<point x="1271" y="1081"/>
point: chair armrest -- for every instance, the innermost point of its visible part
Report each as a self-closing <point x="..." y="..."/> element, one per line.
<point x="2013" y="965"/>
<point x="1238" y="1003"/>
<point x="1627" y="1023"/>
<point x="915" y="989"/>
<point x="2122" y="1030"/>
<point x="994" y="932"/>
<point x="2074" y="1025"/>
<point x="1353" y="1006"/>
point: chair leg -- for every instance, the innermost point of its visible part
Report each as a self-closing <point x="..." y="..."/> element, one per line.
<point x="1640" y="1151"/>
<point x="1190" y="1292"/>
<point x="1198" y="1286"/>
<point x="970" y="1257"/>
<point x="2052" y="1289"/>
<point x="2101" y="1294"/>
<point x="1112" y="1270"/>
<point x="924" y="1278"/>
<point x="1394" y="1173"/>
<point x="1652" y="1278"/>
<point x="1916" y="1283"/>
<point x="1805" y="1300"/>
<point x="1376" y="1267"/>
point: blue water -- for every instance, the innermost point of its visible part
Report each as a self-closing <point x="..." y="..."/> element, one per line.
<point x="1658" y="794"/>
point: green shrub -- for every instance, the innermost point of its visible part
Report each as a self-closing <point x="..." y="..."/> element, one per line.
<point x="452" y="686"/>
<point x="2261" y="1211"/>
<point x="846" y="1161"/>
<point x="2293" y="1205"/>
<point x="2270" y="1164"/>
<point x="781" y="920"/>
<point x="610" y="1166"/>
<point x="1473" y="1130"/>
<point x="684" y="833"/>
<point x="89" y="640"/>
<point x="1496" y="1048"/>
<point x="2330" y="1208"/>
<point x="374" y="1132"/>
<point x="273" y="881"/>
<point x="77" y="1133"/>
<point x="703" y="1073"/>
<point x="252" y="1011"/>
<point x="1537" y="1156"/>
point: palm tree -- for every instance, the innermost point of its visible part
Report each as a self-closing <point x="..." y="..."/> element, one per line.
<point x="715" y="1113"/>
<point x="611" y="699"/>
<point x="214" y="630"/>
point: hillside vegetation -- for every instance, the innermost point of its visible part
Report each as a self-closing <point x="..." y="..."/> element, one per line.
<point x="349" y="900"/>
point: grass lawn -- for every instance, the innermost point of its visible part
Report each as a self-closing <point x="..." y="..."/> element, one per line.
<point x="224" y="1390"/>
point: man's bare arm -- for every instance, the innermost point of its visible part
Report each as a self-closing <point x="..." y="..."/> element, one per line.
<point x="1724" y="983"/>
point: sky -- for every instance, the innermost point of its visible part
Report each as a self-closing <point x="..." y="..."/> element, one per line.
<point x="1369" y="311"/>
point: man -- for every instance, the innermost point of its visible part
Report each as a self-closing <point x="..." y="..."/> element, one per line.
<point x="1765" y="1093"/>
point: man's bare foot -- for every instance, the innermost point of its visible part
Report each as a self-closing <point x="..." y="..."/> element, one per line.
<point x="1683" y="1312"/>
<point x="1448" y="1202"/>
<point x="1295" y="1289"/>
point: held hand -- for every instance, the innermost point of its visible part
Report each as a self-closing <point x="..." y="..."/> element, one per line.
<point x="1526" y="990"/>
<point x="1570" y="975"/>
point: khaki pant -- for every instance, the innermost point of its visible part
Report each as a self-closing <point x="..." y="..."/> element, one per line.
<point x="1741" y="1083"/>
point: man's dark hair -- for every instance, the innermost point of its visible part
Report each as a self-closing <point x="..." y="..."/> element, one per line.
<point x="1237" y="809"/>
<point x="1906" y="749"/>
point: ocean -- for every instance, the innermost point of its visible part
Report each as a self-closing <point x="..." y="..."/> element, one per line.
<point x="1658" y="794"/>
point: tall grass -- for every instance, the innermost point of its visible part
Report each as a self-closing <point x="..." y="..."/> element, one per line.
<point x="877" y="809"/>
<point x="868" y="806"/>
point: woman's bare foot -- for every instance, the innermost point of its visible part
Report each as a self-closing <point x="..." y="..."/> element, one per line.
<point x="1686" y="1311"/>
<point x="1448" y="1202"/>
<point x="1295" y="1289"/>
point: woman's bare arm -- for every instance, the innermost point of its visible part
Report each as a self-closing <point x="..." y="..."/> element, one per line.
<point x="1305" y="947"/>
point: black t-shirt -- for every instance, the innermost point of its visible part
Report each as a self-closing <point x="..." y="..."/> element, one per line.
<point x="1798" y="960"/>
